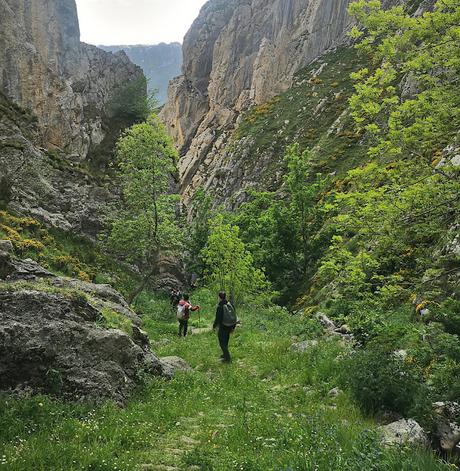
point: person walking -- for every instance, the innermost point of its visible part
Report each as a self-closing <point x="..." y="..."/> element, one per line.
<point x="225" y="322"/>
<point x="184" y="308"/>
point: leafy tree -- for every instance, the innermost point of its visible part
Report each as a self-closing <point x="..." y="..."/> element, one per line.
<point x="229" y="266"/>
<point x="145" y="226"/>
<point x="409" y="102"/>
<point x="396" y="212"/>
<point x="303" y="193"/>
<point x="130" y="103"/>
<point x="198" y="230"/>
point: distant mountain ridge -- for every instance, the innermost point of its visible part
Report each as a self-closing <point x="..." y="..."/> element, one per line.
<point x="160" y="62"/>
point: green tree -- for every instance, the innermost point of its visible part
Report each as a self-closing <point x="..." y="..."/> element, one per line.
<point x="303" y="193"/>
<point x="395" y="214"/>
<point x="229" y="266"/>
<point x="198" y="231"/>
<point x="145" y="226"/>
<point x="408" y="102"/>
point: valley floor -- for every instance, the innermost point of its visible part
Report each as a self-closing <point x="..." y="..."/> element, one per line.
<point x="268" y="410"/>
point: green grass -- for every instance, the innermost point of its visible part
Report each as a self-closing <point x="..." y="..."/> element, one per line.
<point x="268" y="410"/>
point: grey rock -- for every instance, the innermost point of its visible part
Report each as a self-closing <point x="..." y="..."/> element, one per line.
<point x="73" y="83"/>
<point x="404" y="432"/>
<point x="326" y="322"/>
<point x="344" y="330"/>
<point x="304" y="346"/>
<point x="12" y="268"/>
<point x="170" y="365"/>
<point x="51" y="342"/>
<point x="6" y="246"/>
<point x="447" y="424"/>
<point x="141" y="338"/>
<point x="335" y="392"/>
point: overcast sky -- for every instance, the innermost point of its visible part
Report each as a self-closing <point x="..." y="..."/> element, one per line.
<point x="115" y="22"/>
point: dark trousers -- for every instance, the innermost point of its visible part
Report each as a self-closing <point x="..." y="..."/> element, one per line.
<point x="224" y="337"/>
<point x="183" y="326"/>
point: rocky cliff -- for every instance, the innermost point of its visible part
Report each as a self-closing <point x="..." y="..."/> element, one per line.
<point x="62" y="105"/>
<point x="253" y="54"/>
<point x="240" y="53"/>
<point x="68" y="85"/>
<point x="160" y="63"/>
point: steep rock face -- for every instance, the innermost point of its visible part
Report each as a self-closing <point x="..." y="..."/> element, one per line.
<point x="239" y="53"/>
<point x="160" y="63"/>
<point x="50" y="186"/>
<point x="69" y="85"/>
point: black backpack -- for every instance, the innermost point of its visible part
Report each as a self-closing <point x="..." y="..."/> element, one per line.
<point x="229" y="318"/>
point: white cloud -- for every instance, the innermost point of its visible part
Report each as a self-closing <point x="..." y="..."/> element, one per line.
<point x="113" y="22"/>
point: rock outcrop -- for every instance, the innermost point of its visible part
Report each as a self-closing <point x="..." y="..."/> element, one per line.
<point x="62" y="106"/>
<point x="55" y="337"/>
<point x="239" y="53"/>
<point x="70" y="86"/>
<point x="404" y="432"/>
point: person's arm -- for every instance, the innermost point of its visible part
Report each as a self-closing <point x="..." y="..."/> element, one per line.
<point x="219" y="315"/>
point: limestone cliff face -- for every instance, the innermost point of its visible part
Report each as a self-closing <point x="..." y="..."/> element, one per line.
<point x="69" y="85"/>
<point x="239" y="53"/>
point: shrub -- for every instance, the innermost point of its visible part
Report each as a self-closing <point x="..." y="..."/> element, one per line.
<point x="381" y="380"/>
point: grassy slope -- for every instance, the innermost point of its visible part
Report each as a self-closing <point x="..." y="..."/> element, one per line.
<point x="269" y="410"/>
<point x="306" y="114"/>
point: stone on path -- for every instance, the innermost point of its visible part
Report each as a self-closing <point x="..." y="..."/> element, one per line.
<point x="203" y="330"/>
<point x="302" y="347"/>
<point x="170" y="365"/>
<point x="404" y="432"/>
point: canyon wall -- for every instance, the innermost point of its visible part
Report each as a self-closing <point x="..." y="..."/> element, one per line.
<point x="67" y="84"/>
<point x="240" y="53"/>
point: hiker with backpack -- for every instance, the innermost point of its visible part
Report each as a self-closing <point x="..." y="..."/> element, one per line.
<point x="175" y="297"/>
<point x="184" y="308"/>
<point x="225" y="322"/>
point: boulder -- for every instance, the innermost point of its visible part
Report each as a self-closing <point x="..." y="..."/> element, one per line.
<point x="326" y="322"/>
<point x="344" y="330"/>
<point x="53" y="343"/>
<point x="170" y="365"/>
<point x="447" y="424"/>
<point x="404" y="432"/>
<point x="6" y="246"/>
<point x="102" y="296"/>
<point x="335" y="392"/>
<point x="304" y="346"/>
<point x="141" y="338"/>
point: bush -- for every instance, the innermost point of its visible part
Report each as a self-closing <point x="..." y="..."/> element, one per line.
<point x="381" y="380"/>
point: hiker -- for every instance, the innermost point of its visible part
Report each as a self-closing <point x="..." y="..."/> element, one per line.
<point x="184" y="308"/>
<point x="226" y="321"/>
<point x="175" y="298"/>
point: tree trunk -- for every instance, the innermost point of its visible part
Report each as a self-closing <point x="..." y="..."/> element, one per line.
<point x="134" y="294"/>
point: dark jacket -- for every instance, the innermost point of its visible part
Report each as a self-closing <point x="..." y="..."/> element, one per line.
<point x="220" y="315"/>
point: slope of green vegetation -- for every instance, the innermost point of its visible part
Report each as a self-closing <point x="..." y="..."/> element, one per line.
<point x="306" y="114"/>
<point x="268" y="410"/>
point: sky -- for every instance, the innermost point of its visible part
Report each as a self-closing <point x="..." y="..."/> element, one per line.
<point x="125" y="22"/>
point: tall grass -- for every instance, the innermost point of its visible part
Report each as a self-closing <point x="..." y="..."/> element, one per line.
<point x="268" y="410"/>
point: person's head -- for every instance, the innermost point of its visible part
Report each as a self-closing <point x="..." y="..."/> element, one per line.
<point x="222" y="296"/>
<point x="186" y="297"/>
